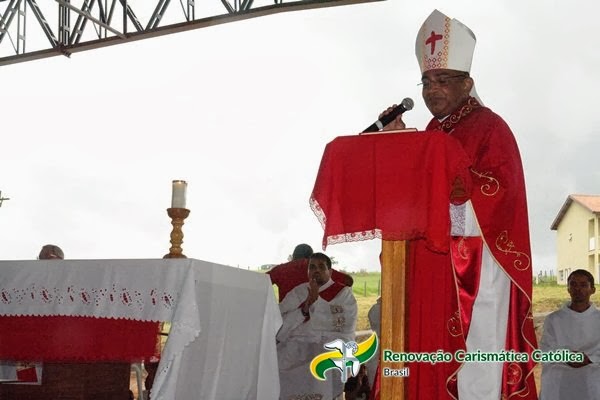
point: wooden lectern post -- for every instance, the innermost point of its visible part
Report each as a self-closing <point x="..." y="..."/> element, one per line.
<point x="393" y="304"/>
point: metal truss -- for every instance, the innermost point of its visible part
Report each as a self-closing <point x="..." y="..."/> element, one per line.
<point x="114" y="21"/>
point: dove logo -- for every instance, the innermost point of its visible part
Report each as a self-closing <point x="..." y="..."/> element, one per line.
<point x="345" y="356"/>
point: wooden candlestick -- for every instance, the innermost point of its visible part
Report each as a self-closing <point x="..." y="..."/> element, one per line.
<point x="177" y="216"/>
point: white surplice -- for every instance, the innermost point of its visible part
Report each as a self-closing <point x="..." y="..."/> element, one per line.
<point x="489" y="318"/>
<point x="301" y="339"/>
<point x="568" y="329"/>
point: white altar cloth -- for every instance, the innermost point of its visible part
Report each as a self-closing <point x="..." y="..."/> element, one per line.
<point x="223" y="320"/>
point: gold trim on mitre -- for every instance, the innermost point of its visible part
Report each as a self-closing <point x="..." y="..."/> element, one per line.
<point x="444" y="43"/>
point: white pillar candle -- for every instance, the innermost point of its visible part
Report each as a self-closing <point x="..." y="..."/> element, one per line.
<point x="178" y="198"/>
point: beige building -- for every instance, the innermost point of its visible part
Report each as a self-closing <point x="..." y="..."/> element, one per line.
<point x="577" y="229"/>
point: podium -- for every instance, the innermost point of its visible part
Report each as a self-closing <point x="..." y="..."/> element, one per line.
<point x="396" y="187"/>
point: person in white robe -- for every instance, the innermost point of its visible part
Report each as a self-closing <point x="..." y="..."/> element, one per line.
<point x="575" y="327"/>
<point x="374" y="316"/>
<point x="314" y="313"/>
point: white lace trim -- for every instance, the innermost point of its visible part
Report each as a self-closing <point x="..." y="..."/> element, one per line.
<point x="463" y="220"/>
<point x="457" y="219"/>
<point x="343" y="238"/>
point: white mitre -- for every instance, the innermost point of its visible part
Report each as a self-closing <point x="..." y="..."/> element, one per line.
<point x="444" y="43"/>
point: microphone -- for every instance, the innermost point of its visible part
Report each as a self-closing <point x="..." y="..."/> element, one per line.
<point x="406" y="105"/>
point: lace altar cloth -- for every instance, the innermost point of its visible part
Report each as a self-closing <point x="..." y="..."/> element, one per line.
<point x="394" y="186"/>
<point x="223" y="320"/>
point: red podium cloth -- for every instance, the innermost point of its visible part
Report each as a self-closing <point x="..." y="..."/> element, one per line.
<point x="393" y="186"/>
<point x="82" y="339"/>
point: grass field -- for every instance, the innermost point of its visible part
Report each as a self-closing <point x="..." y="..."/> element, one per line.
<point x="366" y="289"/>
<point x="547" y="297"/>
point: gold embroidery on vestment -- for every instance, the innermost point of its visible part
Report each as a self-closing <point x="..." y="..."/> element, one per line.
<point x="514" y="374"/>
<point x="505" y="245"/>
<point x="448" y="124"/>
<point x="338" y="323"/>
<point x="336" y="308"/>
<point x="491" y="187"/>
<point x="462" y="249"/>
<point x="453" y="325"/>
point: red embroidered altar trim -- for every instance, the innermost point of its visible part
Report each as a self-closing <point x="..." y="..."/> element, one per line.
<point x="63" y="339"/>
<point x="112" y="296"/>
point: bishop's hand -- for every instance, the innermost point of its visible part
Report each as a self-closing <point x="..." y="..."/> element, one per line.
<point x="396" y="124"/>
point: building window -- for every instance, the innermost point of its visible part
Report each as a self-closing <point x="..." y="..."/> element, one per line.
<point x="591" y="235"/>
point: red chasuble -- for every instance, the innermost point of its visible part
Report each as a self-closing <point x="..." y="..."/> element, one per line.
<point x="498" y="198"/>
<point x="362" y="192"/>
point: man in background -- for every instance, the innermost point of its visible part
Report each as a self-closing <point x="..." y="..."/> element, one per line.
<point x="575" y="327"/>
<point x="374" y="316"/>
<point x="291" y="274"/>
<point x="314" y="313"/>
<point x="51" y="252"/>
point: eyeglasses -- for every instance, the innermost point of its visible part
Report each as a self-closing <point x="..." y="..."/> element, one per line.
<point x="441" y="81"/>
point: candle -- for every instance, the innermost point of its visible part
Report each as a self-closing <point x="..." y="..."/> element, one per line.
<point x="178" y="199"/>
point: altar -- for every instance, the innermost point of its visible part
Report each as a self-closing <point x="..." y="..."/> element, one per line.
<point x="224" y="320"/>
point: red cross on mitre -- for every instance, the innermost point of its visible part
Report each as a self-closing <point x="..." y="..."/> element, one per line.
<point x="432" y="39"/>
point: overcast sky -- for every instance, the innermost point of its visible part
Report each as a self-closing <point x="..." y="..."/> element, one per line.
<point x="243" y="111"/>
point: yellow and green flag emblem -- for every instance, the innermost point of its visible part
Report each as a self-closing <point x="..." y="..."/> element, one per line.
<point x="326" y="361"/>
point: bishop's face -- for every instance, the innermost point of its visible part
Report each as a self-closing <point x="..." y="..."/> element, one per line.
<point x="317" y="270"/>
<point x="445" y="90"/>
